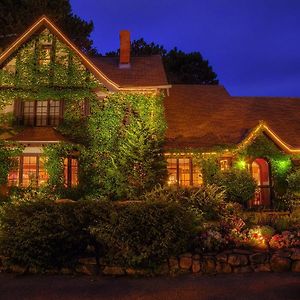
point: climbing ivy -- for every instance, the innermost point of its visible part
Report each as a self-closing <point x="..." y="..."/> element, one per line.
<point x="280" y="162"/>
<point x="127" y="133"/>
<point x="8" y="154"/>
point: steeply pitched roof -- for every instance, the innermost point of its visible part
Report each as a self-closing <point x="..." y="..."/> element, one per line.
<point x="111" y="69"/>
<point x="207" y="116"/>
<point x="144" y="71"/>
<point x="38" y="135"/>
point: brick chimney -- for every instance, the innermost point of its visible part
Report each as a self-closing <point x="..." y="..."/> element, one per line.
<point x="124" y="49"/>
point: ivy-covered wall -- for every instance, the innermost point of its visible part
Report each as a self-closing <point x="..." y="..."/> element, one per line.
<point x="119" y="146"/>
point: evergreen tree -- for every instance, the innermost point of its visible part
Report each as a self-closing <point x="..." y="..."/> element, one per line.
<point x="17" y="15"/>
<point x="180" y="67"/>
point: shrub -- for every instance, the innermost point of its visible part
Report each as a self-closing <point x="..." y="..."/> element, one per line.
<point x="209" y="240"/>
<point x="284" y="202"/>
<point x="293" y="180"/>
<point x="275" y="220"/>
<point x="144" y="234"/>
<point x="44" y="235"/>
<point x="238" y="184"/>
<point x="206" y="201"/>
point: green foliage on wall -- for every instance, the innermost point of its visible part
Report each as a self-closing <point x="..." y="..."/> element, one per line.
<point x="35" y="73"/>
<point x="280" y="162"/>
<point x="8" y="154"/>
<point x="127" y="132"/>
<point x="120" y="146"/>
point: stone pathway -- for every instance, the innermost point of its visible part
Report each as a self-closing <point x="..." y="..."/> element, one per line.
<point x="252" y="286"/>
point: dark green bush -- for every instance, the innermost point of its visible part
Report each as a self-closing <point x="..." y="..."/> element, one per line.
<point x="45" y="234"/>
<point x="293" y="180"/>
<point x="238" y="184"/>
<point x="144" y="234"/>
<point x="207" y="201"/>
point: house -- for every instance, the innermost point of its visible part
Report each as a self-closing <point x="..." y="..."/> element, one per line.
<point x="200" y="119"/>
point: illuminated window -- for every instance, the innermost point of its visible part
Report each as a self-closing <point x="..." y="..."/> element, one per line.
<point x="45" y="55"/>
<point x="71" y="172"/>
<point x="224" y="164"/>
<point x="172" y="171"/>
<point x="30" y="171"/>
<point x="183" y="172"/>
<point x="41" y="113"/>
<point x="197" y="176"/>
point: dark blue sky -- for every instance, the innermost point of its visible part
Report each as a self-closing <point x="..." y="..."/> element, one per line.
<point x="253" y="45"/>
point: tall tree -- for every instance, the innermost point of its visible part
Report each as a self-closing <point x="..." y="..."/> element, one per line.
<point x="180" y="67"/>
<point x="17" y="15"/>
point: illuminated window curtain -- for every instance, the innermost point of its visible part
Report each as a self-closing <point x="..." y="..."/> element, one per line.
<point x="70" y="172"/>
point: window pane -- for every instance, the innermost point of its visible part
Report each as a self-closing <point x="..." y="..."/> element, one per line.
<point x="71" y="172"/>
<point x="224" y="165"/>
<point x="197" y="176"/>
<point x="29" y="113"/>
<point x="54" y="112"/>
<point x="41" y="113"/>
<point x="184" y="172"/>
<point x="172" y="171"/>
<point x="74" y="172"/>
<point x="29" y="171"/>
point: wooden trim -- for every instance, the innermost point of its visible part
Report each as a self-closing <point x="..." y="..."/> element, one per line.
<point x="44" y="21"/>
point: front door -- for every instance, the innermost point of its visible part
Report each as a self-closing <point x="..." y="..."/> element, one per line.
<point x="261" y="173"/>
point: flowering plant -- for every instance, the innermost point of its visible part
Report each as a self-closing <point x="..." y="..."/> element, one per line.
<point x="285" y="240"/>
<point x="212" y="240"/>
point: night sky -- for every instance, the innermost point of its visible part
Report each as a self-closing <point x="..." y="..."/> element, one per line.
<point x="253" y="45"/>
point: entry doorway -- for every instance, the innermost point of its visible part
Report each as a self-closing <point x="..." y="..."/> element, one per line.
<point x="260" y="170"/>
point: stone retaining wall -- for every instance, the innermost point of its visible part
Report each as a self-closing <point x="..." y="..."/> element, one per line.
<point x="229" y="261"/>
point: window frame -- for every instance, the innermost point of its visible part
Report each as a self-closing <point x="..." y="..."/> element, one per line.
<point x="69" y="175"/>
<point x="191" y="172"/>
<point x="34" y="118"/>
<point x="20" y="170"/>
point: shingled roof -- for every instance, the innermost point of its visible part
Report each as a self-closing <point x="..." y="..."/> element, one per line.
<point x="143" y="71"/>
<point x="207" y="116"/>
<point x="39" y="135"/>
